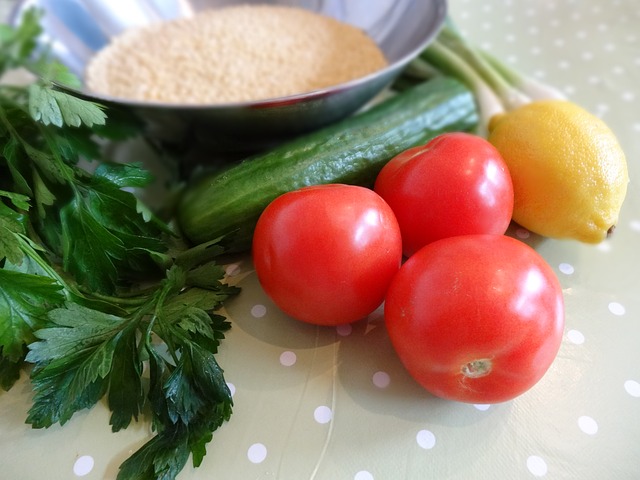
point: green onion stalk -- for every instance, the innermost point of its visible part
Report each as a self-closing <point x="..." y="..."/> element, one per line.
<point x="498" y="88"/>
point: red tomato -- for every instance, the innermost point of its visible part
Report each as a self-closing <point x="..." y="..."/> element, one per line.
<point x="456" y="184"/>
<point x="476" y="318"/>
<point x="326" y="254"/>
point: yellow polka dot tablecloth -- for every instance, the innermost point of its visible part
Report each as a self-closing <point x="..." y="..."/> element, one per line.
<point x="336" y="404"/>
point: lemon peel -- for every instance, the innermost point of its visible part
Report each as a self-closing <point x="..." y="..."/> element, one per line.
<point x="569" y="172"/>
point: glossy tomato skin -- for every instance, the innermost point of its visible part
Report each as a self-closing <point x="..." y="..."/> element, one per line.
<point x="326" y="254"/>
<point x="456" y="184"/>
<point x="476" y="318"/>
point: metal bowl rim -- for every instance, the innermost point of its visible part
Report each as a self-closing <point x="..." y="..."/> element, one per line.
<point x="441" y="10"/>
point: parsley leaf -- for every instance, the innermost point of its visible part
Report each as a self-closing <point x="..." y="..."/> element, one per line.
<point x="124" y="175"/>
<point x="73" y="356"/>
<point x="55" y="72"/>
<point x="83" y="354"/>
<point x="126" y="395"/>
<point x="9" y="372"/>
<point x="162" y="457"/>
<point x="103" y="232"/>
<point x="18" y="44"/>
<point x="10" y="156"/>
<point x="190" y="398"/>
<point x="75" y="144"/>
<point x="58" y="108"/>
<point x="89" y="246"/>
<point x="94" y="285"/>
<point x="19" y="201"/>
<point x="12" y="222"/>
<point x="24" y="300"/>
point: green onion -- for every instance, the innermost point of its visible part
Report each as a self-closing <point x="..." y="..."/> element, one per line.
<point x="498" y="88"/>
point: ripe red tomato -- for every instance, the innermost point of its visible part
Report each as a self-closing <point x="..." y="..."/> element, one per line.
<point x="456" y="184"/>
<point x="326" y="254"/>
<point x="476" y="318"/>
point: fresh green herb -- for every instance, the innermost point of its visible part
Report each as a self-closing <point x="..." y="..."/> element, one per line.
<point x="96" y="291"/>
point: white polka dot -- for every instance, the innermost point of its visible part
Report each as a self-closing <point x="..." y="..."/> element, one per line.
<point x="575" y="337"/>
<point x="83" y="465"/>
<point x="632" y="387"/>
<point x="522" y="233"/>
<point x="482" y="406"/>
<point x="617" y="308"/>
<point x="288" y="358"/>
<point x="363" y="475"/>
<point x="381" y="379"/>
<point x="537" y="466"/>
<point x="232" y="388"/>
<point x="322" y="414"/>
<point x="426" y="439"/>
<point x="600" y="110"/>
<point x="628" y="96"/>
<point x="257" y="453"/>
<point x="344" y="330"/>
<point x="566" y="268"/>
<point x="588" y="425"/>
<point x="604" y="246"/>
<point x="635" y="224"/>
<point x="594" y="79"/>
<point x="258" y="311"/>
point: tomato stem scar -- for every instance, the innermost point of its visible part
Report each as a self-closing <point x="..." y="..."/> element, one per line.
<point x="477" y="368"/>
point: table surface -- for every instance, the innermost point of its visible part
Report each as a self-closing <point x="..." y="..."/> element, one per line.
<point x="333" y="404"/>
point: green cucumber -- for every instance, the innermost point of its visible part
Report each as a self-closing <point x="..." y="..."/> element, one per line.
<point x="352" y="151"/>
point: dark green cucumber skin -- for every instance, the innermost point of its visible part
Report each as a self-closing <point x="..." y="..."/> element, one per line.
<point x="352" y="151"/>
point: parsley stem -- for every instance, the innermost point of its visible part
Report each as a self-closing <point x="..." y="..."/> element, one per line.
<point x="27" y="247"/>
<point x="119" y="300"/>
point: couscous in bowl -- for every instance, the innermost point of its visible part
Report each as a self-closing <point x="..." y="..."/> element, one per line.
<point x="77" y="30"/>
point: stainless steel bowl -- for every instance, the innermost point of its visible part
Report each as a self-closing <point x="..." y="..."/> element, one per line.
<point x="76" y="29"/>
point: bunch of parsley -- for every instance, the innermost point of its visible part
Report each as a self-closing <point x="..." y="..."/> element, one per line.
<point x="97" y="297"/>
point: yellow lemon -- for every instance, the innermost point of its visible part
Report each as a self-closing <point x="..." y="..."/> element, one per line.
<point x="569" y="172"/>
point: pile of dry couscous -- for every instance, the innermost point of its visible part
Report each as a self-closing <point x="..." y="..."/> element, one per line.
<point x="233" y="54"/>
